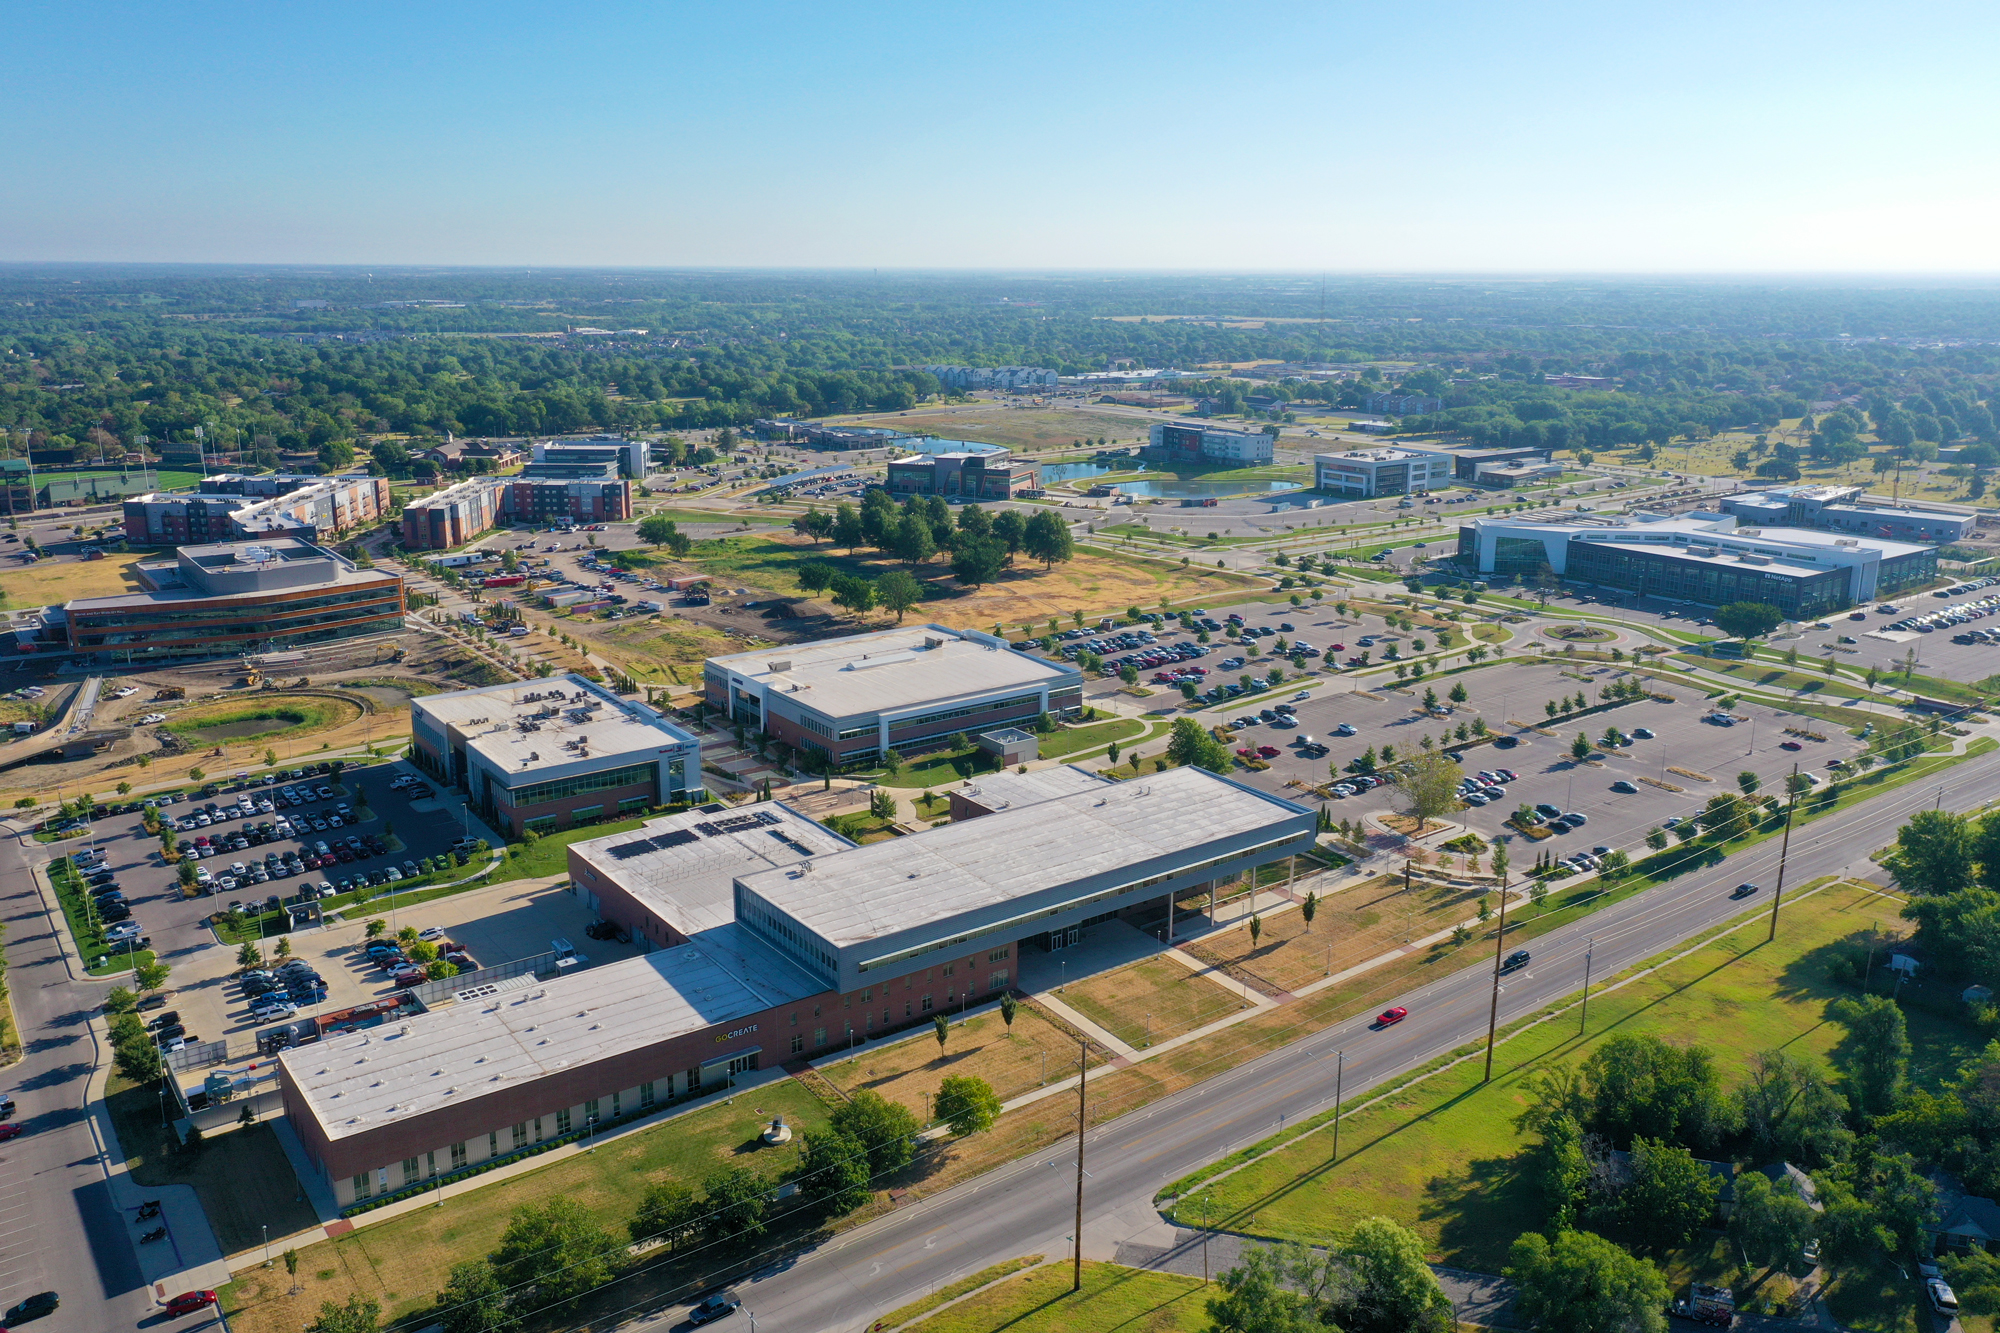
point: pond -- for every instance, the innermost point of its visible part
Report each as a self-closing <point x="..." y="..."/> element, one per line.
<point x="1202" y="490"/>
<point x="1058" y="472"/>
<point x="236" y="731"/>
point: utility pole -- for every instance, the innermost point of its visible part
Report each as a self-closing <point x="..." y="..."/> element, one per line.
<point x="1588" y="951"/>
<point x="1493" y="1013"/>
<point x="1784" y="850"/>
<point x="1082" y="1078"/>
<point x="1339" y="1070"/>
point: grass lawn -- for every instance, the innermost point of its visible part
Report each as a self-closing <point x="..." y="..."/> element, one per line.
<point x="243" y="1176"/>
<point x="1350" y="927"/>
<point x="1440" y="1155"/>
<point x="1114" y="1299"/>
<point x="980" y="1046"/>
<point x="1151" y="1001"/>
<point x="99" y="958"/>
<point x="256" y="714"/>
<point x="58" y="581"/>
<point x="1758" y="675"/>
<point x="1094" y="583"/>
<point x="1072" y="740"/>
<point x="401" y="1262"/>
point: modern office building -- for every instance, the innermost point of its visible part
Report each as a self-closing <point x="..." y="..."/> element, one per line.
<point x="770" y="938"/>
<point x="553" y="753"/>
<point x="232" y="508"/>
<point x="985" y="475"/>
<point x="234" y="598"/>
<point x="1710" y="560"/>
<point x="1466" y="463"/>
<point x="631" y="456"/>
<point x="1845" y="509"/>
<point x="908" y="690"/>
<point x="1401" y="404"/>
<point x="1366" y="473"/>
<point x="1175" y="443"/>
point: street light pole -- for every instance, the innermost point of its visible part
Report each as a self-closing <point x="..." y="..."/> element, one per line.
<point x="1339" y="1073"/>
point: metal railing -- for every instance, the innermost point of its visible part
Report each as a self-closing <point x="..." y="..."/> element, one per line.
<point x="431" y="993"/>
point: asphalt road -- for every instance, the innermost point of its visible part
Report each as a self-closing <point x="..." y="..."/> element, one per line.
<point x="59" y="1228"/>
<point x="1026" y="1207"/>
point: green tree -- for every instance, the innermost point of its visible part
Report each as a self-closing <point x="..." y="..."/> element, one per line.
<point x="659" y="530"/>
<point x="1934" y="853"/>
<point x="1748" y="620"/>
<point x="885" y="1128"/>
<point x="941" y="1028"/>
<point x="151" y="976"/>
<point x="1009" y="1007"/>
<point x="474" y="1301"/>
<point x="1874" y="1057"/>
<point x="978" y="562"/>
<point x="1748" y="782"/>
<point x="1389" y="1288"/>
<point x="554" y="1252"/>
<point x="1644" y="1086"/>
<point x="1771" y="1223"/>
<point x="1191" y="746"/>
<point x="1048" y="539"/>
<point x="1429" y="783"/>
<point x="359" y="1315"/>
<point x="1257" y="1297"/>
<point x="733" y="1205"/>
<point x="968" y="1104"/>
<point x="1565" y="1170"/>
<point x="897" y="592"/>
<point x="1791" y="1112"/>
<point x="668" y="1212"/>
<point x="1669" y="1197"/>
<point x="833" y="1174"/>
<point x="914" y="542"/>
<point x="1579" y="749"/>
<point x="1725" y="816"/>
<point x="1582" y="1283"/>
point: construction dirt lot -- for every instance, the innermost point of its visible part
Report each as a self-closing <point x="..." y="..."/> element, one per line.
<point x="356" y="696"/>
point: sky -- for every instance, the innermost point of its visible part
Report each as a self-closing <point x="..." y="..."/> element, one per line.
<point x="1423" y="136"/>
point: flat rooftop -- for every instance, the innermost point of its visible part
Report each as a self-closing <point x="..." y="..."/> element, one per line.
<point x="249" y="570"/>
<point x="684" y="866"/>
<point x="891" y="670"/>
<point x="364" y="1080"/>
<point x="1382" y="455"/>
<point x="557" y="720"/>
<point x="886" y="888"/>
<point x="1004" y="791"/>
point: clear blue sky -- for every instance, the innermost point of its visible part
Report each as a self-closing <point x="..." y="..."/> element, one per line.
<point x="1697" y="136"/>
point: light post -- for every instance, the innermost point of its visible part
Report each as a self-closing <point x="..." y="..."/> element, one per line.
<point x="1589" y="949"/>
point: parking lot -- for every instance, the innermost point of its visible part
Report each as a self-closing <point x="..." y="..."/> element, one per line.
<point x="1547" y="772"/>
<point x="177" y="924"/>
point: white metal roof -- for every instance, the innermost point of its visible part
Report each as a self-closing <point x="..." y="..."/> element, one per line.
<point x="684" y="866"/>
<point x="888" y="887"/>
<point x="363" y="1080"/>
<point x="891" y="670"/>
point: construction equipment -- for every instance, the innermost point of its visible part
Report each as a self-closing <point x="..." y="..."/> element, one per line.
<point x="170" y="692"/>
<point x="250" y="676"/>
<point x="301" y="682"/>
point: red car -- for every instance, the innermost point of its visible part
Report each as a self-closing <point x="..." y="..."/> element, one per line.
<point x="1790" y="745"/>
<point x="1338" y="648"/>
<point x="188" y="1302"/>
<point x="1267" y="752"/>
<point x="1388" y="1016"/>
<point x="11" y="1130"/>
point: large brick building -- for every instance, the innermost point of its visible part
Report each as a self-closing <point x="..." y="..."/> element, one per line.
<point x="233" y="508"/>
<point x="457" y="514"/>
<point x="907" y="690"/>
<point x="553" y="753"/>
<point x="770" y="938"/>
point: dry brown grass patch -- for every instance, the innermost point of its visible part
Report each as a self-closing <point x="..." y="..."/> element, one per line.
<point x="1157" y="997"/>
<point x="980" y="1047"/>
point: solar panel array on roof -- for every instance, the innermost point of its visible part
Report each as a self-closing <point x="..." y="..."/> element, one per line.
<point x="625" y="851"/>
<point x="716" y="828"/>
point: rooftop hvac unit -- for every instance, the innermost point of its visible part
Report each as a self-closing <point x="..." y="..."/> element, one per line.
<point x="782" y="664"/>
